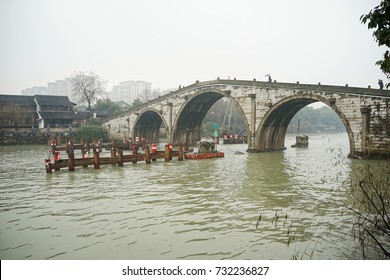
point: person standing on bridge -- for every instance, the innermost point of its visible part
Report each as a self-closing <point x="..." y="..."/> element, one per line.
<point x="380" y="83"/>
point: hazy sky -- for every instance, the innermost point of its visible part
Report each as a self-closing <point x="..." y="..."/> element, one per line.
<point x="172" y="42"/>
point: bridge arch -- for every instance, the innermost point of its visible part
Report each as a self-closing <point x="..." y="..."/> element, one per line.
<point x="273" y="126"/>
<point x="148" y="124"/>
<point x="187" y="128"/>
<point x="267" y="108"/>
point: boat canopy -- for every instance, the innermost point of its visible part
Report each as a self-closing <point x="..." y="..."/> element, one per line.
<point x="205" y="147"/>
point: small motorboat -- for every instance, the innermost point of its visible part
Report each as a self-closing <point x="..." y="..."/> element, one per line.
<point x="203" y="150"/>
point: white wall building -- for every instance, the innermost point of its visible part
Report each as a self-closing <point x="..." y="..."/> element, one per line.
<point x="57" y="88"/>
<point x="129" y="91"/>
<point x="35" y="91"/>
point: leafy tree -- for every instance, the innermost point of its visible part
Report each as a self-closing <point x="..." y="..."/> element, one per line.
<point x="313" y="120"/>
<point x="93" y="121"/>
<point x="90" y="132"/>
<point x="379" y="20"/>
<point x="15" y="115"/>
<point x="136" y="103"/>
<point x="87" y="88"/>
<point x="106" y="105"/>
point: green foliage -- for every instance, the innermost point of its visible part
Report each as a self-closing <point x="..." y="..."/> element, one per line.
<point x="90" y="132"/>
<point x="14" y="115"/>
<point x="136" y="103"/>
<point x="379" y="20"/>
<point x="227" y="118"/>
<point x="93" y="121"/>
<point x="313" y="120"/>
<point x="106" y="105"/>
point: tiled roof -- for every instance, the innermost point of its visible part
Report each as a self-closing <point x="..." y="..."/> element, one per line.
<point x="22" y="100"/>
<point x="45" y="100"/>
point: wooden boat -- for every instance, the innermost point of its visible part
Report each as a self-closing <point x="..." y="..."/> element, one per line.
<point x="204" y="150"/>
<point x="301" y="141"/>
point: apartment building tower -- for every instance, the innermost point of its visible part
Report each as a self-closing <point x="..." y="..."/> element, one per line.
<point x="129" y="91"/>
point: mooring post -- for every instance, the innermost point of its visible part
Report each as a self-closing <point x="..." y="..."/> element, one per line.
<point x="82" y="148"/>
<point x="96" y="160"/>
<point x="154" y="151"/>
<point x="180" y="152"/>
<point x="170" y="147"/>
<point x="147" y="154"/>
<point x="134" y="153"/>
<point x="71" y="162"/>
<point x="113" y="149"/>
<point x="84" y="153"/>
<point x="166" y="153"/>
<point x="130" y="143"/>
<point x="100" y="143"/>
<point x="53" y="146"/>
<point x="120" y="157"/>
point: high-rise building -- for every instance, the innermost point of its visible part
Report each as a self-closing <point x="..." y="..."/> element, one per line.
<point x="129" y="91"/>
<point x="35" y="91"/>
<point x="57" y="88"/>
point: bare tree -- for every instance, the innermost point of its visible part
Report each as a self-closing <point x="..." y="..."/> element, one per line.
<point x="14" y="115"/>
<point x="372" y="226"/>
<point x="87" y="88"/>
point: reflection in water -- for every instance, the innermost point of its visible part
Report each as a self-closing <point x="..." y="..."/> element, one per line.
<point x="274" y="205"/>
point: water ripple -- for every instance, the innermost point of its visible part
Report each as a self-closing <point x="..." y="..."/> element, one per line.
<point x="177" y="210"/>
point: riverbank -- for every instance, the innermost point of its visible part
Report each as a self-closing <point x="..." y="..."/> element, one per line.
<point x="24" y="140"/>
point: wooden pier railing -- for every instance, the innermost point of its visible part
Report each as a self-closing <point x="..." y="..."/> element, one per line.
<point x="118" y="157"/>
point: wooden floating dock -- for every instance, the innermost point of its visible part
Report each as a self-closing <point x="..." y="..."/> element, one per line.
<point x="117" y="155"/>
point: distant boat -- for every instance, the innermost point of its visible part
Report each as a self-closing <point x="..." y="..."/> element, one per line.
<point x="228" y="136"/>
<point x="301" y="141"/>
<point x="204" y="150"/>
<point x="233" y="139"/>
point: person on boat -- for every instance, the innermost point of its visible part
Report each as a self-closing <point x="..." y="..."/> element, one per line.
<point x="56" y="156"/>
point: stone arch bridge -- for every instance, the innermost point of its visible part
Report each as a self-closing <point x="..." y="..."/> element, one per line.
<point x="267" y="109"/>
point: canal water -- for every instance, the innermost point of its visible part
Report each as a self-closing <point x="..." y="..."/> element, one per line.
<point x="277" y="205"/>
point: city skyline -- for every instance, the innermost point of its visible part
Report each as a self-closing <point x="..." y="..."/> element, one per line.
<point x="126" y="91"/>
